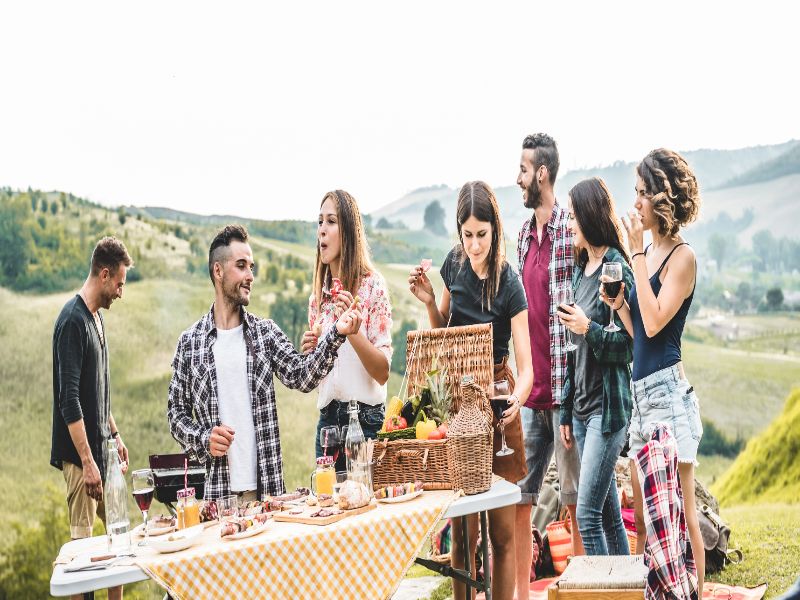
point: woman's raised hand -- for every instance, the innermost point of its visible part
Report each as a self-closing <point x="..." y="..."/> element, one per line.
<point x="573" y="318"/>
<point x="343" y="301"/>
<point x="635" y="231"/>
<point x="615" y="303"/>
<point x="350" y="321"/>
<point x="420" y="286"/>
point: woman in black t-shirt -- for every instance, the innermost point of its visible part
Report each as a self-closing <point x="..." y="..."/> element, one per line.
<point x="481" y="287"/>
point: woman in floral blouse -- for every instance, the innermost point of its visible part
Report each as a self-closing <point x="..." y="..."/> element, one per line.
<point x="343" y="271"/>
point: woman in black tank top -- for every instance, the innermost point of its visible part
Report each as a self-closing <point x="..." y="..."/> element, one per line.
<point x="667" y="198"/>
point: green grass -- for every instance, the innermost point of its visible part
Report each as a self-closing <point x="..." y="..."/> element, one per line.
<point x="767" y="535"/>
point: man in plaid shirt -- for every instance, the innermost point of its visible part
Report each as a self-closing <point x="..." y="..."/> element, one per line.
<point x="221" y="406"/>
<point x="545" y="258"/>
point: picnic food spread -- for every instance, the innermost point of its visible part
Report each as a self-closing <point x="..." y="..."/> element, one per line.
<point x="394" y="491"/>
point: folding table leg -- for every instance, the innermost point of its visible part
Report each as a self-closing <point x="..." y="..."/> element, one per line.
<point x="467" y="557"/>
<point x="487" y="572"/>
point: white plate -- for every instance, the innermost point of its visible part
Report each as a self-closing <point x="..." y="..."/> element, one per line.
<point x="403" y="498"/>
<point x="185" y="539"/>
<point x="153" y="531"/>
<point x="255" y="530"/>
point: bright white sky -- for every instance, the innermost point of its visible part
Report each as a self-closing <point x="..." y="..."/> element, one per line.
<point x="256" y="110"/>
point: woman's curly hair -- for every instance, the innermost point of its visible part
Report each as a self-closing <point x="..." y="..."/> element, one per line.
<point x="673" y="185"/>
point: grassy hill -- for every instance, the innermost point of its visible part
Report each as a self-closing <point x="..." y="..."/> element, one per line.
<point x="767" y="470"/>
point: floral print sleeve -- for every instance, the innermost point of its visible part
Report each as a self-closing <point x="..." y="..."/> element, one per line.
<point x="377" y="313"/>
<point x="377" y="325"/>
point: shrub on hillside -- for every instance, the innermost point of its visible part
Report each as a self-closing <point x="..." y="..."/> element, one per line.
<point x="767" y="470"/>
<point x="716" y="442"/>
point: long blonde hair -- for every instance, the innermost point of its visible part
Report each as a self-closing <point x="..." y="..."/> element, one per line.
<point x="354" y="257"/>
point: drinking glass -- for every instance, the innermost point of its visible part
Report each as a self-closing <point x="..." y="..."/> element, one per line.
<point x="341" y="477"/>
<point x="564" y="296"/>
<point x="611" y="276"/>
<point x="143" y="487"/>
<point x="498" y="398"/>
<point x="330" y="440"/>
<point x="228" y="507"/>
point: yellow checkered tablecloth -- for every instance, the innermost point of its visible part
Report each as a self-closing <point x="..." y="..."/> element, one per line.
<point x="363" y="556"/>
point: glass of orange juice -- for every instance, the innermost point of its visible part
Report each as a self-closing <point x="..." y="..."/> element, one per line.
<point x="323" y="478"/>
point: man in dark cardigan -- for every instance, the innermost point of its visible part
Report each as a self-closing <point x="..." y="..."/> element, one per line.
<point x="82" y="419"/>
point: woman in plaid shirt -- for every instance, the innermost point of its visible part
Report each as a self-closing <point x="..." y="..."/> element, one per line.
<point x="596" y="407"/>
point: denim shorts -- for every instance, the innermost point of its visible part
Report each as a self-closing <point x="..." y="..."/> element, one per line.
<point x="540" y="428"/>
<point x="664" y="397"/>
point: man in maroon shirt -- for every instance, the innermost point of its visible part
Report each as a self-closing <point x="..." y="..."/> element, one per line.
<point x="544" y="253"/>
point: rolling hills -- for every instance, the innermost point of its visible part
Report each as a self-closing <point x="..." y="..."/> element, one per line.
<point x="763" y="178"/>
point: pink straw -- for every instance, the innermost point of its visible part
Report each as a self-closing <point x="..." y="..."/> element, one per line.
<point x="186" y="473"/>
<point x="325" y="445"/>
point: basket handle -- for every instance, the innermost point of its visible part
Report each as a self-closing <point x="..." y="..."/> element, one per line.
<point x="383" y="453"/>
<point x="425" y="460"/>
<point x="402" y="453"/>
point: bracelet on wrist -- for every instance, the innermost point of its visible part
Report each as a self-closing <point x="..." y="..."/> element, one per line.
<point x="635" y="254"/>
<point x="588" y="327"/>
<point x="115" y="434"/>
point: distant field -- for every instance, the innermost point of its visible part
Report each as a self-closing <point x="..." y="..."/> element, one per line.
<point x="740" y="392"/>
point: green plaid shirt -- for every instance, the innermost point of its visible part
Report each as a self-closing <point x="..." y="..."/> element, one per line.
<point x="613" y="351"/>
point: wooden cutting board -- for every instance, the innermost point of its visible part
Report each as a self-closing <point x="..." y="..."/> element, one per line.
<point x="306" y="517"/>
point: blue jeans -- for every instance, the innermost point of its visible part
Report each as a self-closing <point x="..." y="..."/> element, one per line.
<point x="541" y="434"/>
<point x="369" y="417"/>
<point x="598" y="512"/>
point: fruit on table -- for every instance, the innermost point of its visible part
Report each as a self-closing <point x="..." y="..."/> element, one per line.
<point x="435" y="435"/>
<point x="424" y="428"/>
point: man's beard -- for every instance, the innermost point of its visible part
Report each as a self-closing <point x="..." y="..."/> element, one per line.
<point x="233" y="295"/>
<point x="106" y="300"/>
<point x="533" y="198"/>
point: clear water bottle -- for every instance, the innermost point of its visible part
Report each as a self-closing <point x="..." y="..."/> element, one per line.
<point x="115" y="498"/>
<point x="355" y="439"/>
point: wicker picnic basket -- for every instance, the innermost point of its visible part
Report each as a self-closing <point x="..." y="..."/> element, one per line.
<point x="470" y="441"/>
<point x="460" y="351"/>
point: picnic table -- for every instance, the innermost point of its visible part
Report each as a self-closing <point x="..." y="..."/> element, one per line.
<point x="363" y="556"/>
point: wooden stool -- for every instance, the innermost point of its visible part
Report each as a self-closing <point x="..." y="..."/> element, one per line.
<point x="601" y="578"/>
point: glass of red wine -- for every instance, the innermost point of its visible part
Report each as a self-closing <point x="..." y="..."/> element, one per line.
<point x="611" y="276"/>
<point x="143" y="487"/>
<point x="498" y="398"/>
<point x="564" y="296"/>
<point x="331" y="440"/>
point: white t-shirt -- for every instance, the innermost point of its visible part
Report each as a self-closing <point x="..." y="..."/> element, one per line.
<point x="235" y="410"/>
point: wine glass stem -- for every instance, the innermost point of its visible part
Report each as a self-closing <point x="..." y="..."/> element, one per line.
<point x="503" y="434"/>
<point x="611" y="318"/>
<point x="144" y="516"/>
